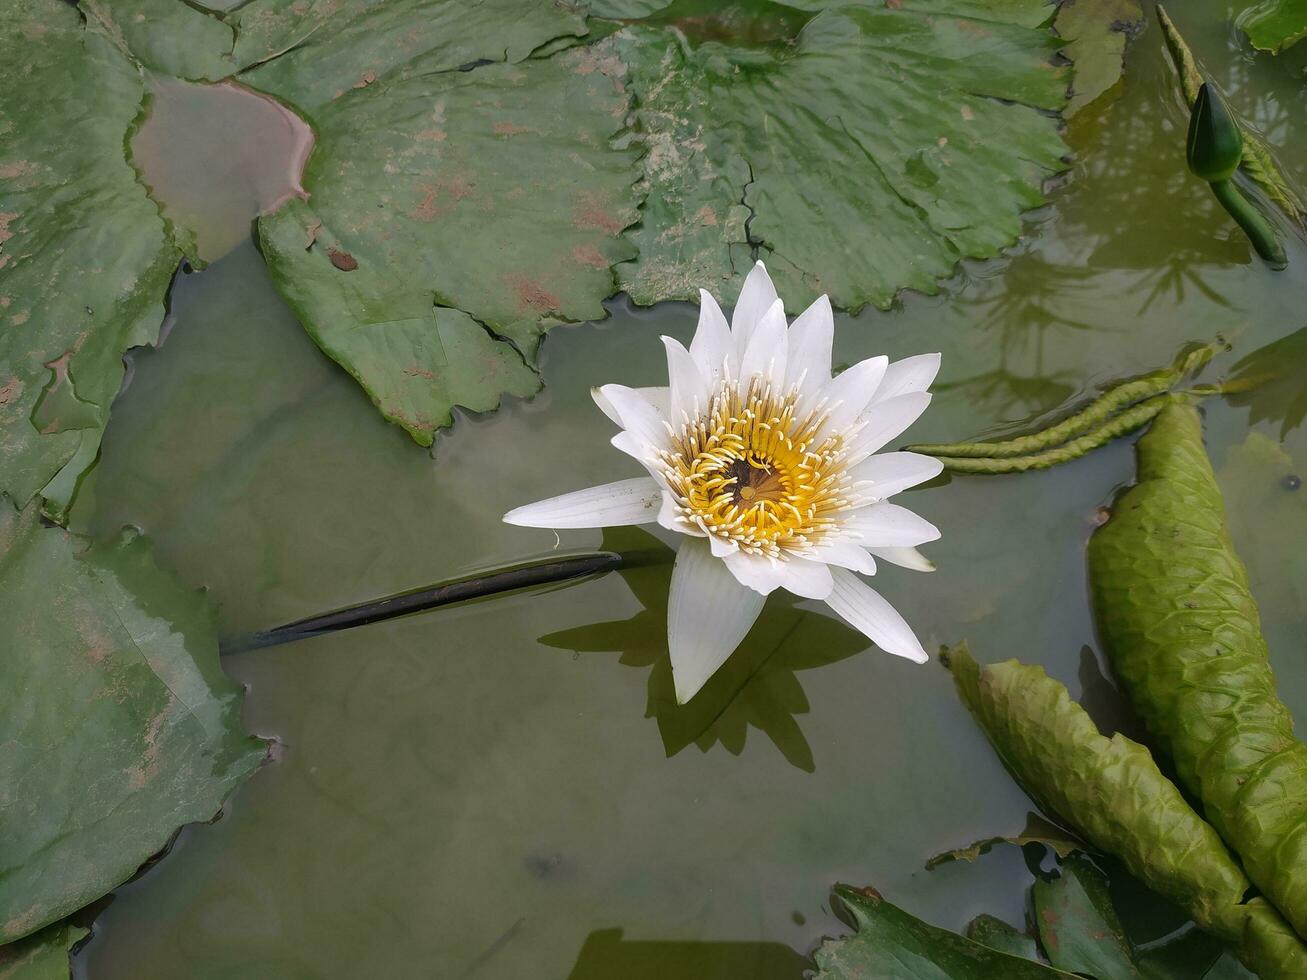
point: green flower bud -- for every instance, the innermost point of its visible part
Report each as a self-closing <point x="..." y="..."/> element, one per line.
<point x="1215" y="143"/>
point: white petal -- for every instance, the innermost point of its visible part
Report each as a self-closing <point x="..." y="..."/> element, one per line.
<point x="910" y="374"/>
<point x="884" y="421"/>
<point x="889" y="473"/>
<point x="671" y="519"/>
<point x="905" y="558"/>
<point x="639" y="450"/>
<point x="811" y="336"/>
<point x="890" y="526"/>
<point x="638" y="415"/>
<point x="863" y="608"/>
<point x="721" y="547"/>
<point x="848" y="394"/>
<point x="712" y="346"/>
<point x="758" y="573"/>
<point x="625" y="502"/>
<point x="708" y="614"/>
<point x="688" y="390"/>
<point x="756" y="298"/>
<point x="809" y="579"/>
<point x="846" y="554"/>
<point x="658" y="397"/>
<point x="768" y="349"/>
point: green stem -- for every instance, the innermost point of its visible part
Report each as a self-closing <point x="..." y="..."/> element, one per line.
<point x="1252" y="221"/>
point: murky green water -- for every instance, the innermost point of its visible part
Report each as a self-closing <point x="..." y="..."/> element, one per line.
<point x="506" y="789"/>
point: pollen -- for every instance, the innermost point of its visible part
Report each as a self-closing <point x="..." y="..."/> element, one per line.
<point x="756" y="467"/>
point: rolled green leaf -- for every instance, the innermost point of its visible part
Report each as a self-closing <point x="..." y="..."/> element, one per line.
<point x="1118" y="425"/>
<point x="1110" y="792"/>
<point x="1183" y="634"/>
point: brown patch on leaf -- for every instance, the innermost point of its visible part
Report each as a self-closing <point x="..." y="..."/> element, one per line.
<point x="706" y="216"/>
<point x="436" y="135"/>
<point x="5" y="218"/>
<point x="509" y="129"/>
<point x="531" y="296"/>
<point x="342" y="260"/>
<point x="19" y="168"/>
<point x="592" y="214"/>
<point x="9" y="389"/>
<point x="437" y="197"/>
<point x="591" y="256"/>
<point x="366" y="79"/>
<point x="417" y="372"/>
<point x="21" y="317"/>
<point x="311" y="234"/>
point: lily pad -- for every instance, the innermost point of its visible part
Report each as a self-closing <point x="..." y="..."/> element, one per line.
<point x="85" y="259"/>
<point x="449" y="212"/>
<point x="118" y="722"/>
<point x="43" y="955"/>
<point x="1273" y="25"/>
<point x="888" y="940"/>
<point x="997" y="934"/>
<point x="1096" y="32"/>
<point x="1078" y="927"/>
<point x="862" y="149"/>
<point x="169" y="36"/>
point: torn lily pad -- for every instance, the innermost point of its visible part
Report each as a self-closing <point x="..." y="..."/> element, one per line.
<point x="862" y="149"/>
<point x="118" y="722"/>
<point x="85" y="260"/>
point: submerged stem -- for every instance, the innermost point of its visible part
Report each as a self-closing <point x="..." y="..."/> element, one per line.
<point x="1252" y="221"/>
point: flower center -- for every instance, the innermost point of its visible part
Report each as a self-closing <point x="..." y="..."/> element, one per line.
<point x="754" y="468"/>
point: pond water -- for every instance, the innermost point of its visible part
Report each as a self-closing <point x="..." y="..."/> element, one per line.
<point x="506" y="788"/>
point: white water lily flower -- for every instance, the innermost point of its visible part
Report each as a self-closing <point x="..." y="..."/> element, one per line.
<point x="769" y="466"/>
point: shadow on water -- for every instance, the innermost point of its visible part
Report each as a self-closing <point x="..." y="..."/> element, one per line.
<point x="757" y="687"/>
<point x="1268" y="382"/>
<point x="608" y="954"/>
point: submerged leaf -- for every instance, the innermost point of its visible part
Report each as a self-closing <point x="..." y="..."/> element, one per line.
<point x="925" y="117"/>
<point x="1269" y="382"/>
<point x="118" y="723"/>
<point x="84" y="257"/>
<point x="1096" y="33"/>
<point x="888" y="939"/>
<point x="1182" y="631"/>
<point x="1037" y="831"/>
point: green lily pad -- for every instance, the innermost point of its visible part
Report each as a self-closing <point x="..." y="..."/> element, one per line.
<point x="891" y="943"/>
<point x="42" y="955"/>
<point x="449" y="212"/>
<point x="168" y="36"/>
<point x="1273" y="25"/>
<point x="1078" y="927"/>
<point x="861" y="148"/>
<point x="997" y="934"/>
<point x="118" y="723"/>
<point x="85" y="259"/>
<point x="1096" y="32"/>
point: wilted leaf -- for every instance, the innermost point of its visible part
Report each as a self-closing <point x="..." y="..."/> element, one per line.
<point x="778" y="127"/>
<point x="1078" y="927"/>
<point x="1257" y="162"/>
<point x="1182" y="631"/>
<point x="84" y="257"/>
<point x="42" y="955"/>
<point x="891" y="943"/>
<point x="1273" y="25"/>
<point x="1096" y="33"/>
<point x="1037" y="831"/>
<point x="118" y="724"/>
<point x="1112" y="793"/>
